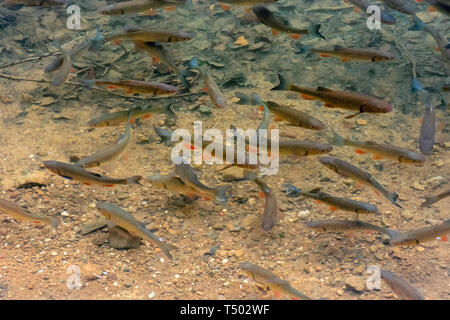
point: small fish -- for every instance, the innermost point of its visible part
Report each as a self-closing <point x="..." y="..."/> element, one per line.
<point x="433" y="199"/>
<point x="334" y="202"/>
<point x="268" y="279"/>
<point x="36" y="3"/>
<point x="187" y="174"/>
<point x="13" y="210"/>
<point x="269" y="217"/>
<point x="159" y="53"/>
<point x="301" y="148"/>
<point x="121" y="117"/>
<point x="338" y="99"/>
<point x="279" y="24"/>
<point x="65" y="69"/>
<point x="173" y="184"/>
<point x="348" y="170"/>
<point x="108" y="153"/>
<point x="293" y="116"/>
<point x="164" y="134"/>
<point x="225" y="4"/>
<point x="380" y="151"/>
<point x="70" y="171"/>
<point x="386" y="17"/>
<point x="428" y="129"/>
<point x="150" y="35"/>
<point x="134" y="86"/>
<point x="333" y="225"/>
<point x="136" y="6"/>
<point x="126" y="221"/>
<point x="414" y="237"/>
<point x="215" y="94"/>
<point x="90" y="45"/>
<point x="402" y="288"/>
<point x="402" y="6"/>
<point x="359" y="54"/>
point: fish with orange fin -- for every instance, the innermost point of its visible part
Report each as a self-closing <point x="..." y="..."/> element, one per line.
<point x="269" y="217"/>
<point x="19" y="213"/>
<point x="227" y="4"/>
<point x="402" y="288"/>
<point x="267" y="279"/>
<point x="136" y="6"/>
<point x="65" y="69"/>
<point x="433" y="199"/>
<point x="279" y="24"/>
<point x="338" y="99"/>
<point x="380" y="151"/>
<point x="358" y="54"/>
<point x="348" y="170"/>
<point x="134" y="86"/>
<point x="415" y="237"/>
<point x="73" y="172"/>
<point x="335" y="203"/>
<point x="150" y="35"/>
<point x="402" y="6"/>
<point x="345" y="226"/>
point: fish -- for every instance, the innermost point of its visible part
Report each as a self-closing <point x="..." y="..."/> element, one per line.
<point x="159" y="53"/>
<point x="433" y="199"/>
<point x="385" y="17"/>
<point x="187" y="174"/>
<point x="348" y="170"/>
<point x="427" y="129"/>
<point x="359" y="54"/>
<point x="108" y="153"/>
<point x="301" y="148"/>
<point x="36" y="3"/>
<point x="333" y="225"/>
<point x="338" y="99"/>
<point x="379" y="151"/>
<point x="415" y="237"/>
<point x="150" y="35"/>
<point x="134" y="86"/>
<point x="215" y="94"/>
<point x="13" y="210"/>
<point x="268" y="279"/>
<point x="269" y="217"/>
<point x="442" y="6"/>
<point x="279" y="24"/>
<point x="71" y="171"/>
<point x="402" y="6"/>
<point x="136" y="6"/>
<point x="173" y="184"/>
<point x="293" y="116"/>
<point x="441" y="41"/>
<point x="335" y="203"/>
<point x="65" y="69"/>
<point x="126" y="221"/>
<point x="164" y="134"/>
<point x="90" y="45"/>
<point x="226" y="4"/>
<point x="120" y="117"/>
<point x="402" y="288"/>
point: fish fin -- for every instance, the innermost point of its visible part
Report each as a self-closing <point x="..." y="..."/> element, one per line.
<point x="170" y="8"/>
<point x="352" y="115"/>
<point x="261" y="195"/>
<point x="108" y="185"/>
<point x="156" y="60"/>
<point x="150" y="12"/>
<point x="111" y="87"/>
<point x="261" y="108"/>
<point x="284" y="84"/>
<point x="117" y="41"/>
<point x="190" y="195"/>
<point x="206" y="198"/>
<point x="377" y="157"/>
<point x="275" y="32"/>
<point x="431" y="9"/>
<point x="307" y="97"/>
<point x="350" y="235"/>
<point x="295" y="36"/>
<point x="147" y="116"/>
<point x="277" y="294"/>
<point x="356" y="9"/>
<point x="345" y="59"/>
<point x="444" y="238"/>
<point x="359" y="151"/>
<point x="205" y="89"/>
<point x="316" y="201"/>
<point x="332" y="208"/>
<point x="323" y="55"/>
<point x="315" y="31"/>
<point x="437" y="49"/>
<point x="87" y="183"/>
<point x="133" y="179"/>
<point x="124" y="157"/>
<point x="323" y="89"/>
<point x="329" y="105"/>
<point x="225" y="6"/>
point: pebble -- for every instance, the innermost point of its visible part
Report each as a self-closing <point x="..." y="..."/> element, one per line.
<point x="355" y="284"/>
<point x="361" y="122"/>
<point x="233" y="174"/>
<point x="151" y="295"/>
<point x="250" y="220"/>
<point x="406" y="214"/>
<point x="241" y="41"/>
<point x="204" y="109"/>
<point x="373" y="248"/>
<point x="303" y="214"/>
<point x="119" y="238"/>
<point x="418" y="186"/>
<point x="420" y="249"/>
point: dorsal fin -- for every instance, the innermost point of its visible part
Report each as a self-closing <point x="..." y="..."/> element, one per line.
<point x="315" y="190"/>
<point x="323" y="89"/>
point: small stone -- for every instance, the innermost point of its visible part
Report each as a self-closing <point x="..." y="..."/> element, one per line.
<point x="90" y="227"/>
<point x="361" y="122"/>
<point x="418" y="186"/>
<point x="439" y="163"/>
<point x="151" y="295"/>
<point x="303" y="214"/>
<point x="420" y="249"/>
<point x="204" y="109"/>
<point x="224" y="261"/>
<point x="406" y="214"/>
<point x="373" y="248"/>
<point x="250" y="220"/>
<point x="218" y="226"/>
<point x="119" y="238"/>
<point x="355" y="284"/>
<point x="233" y="174"/>
<point x="241" y="41"/>
<point x="54" y="253"/>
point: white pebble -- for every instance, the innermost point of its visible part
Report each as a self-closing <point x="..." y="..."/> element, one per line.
<point x="151" y="295"/>
<point x="224" y="261"/>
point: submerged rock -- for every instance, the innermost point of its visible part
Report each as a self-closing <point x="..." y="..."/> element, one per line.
<point x="120" y="238"/>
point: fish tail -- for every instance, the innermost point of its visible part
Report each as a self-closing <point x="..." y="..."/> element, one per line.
<point x="182" y="76"/>
<point x="88" y="83"/>
<point x="297" y="293"/>
<point x="291" y="191"/>
<point x="302" y="49"/>
<point x="193" y="64"/>
<point x="392" y="233"/>
<point x="133" y="179"/>
<point x="165" y="248"/>
<point x="222" y="193"/>
<point x="315" y="31"/>
<point x="418" y="24"/>
<point x="283" y="86"/>
<point x="164" y="137"/>
<point x="393" y="197"/>
<point x="337" y="139"/>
